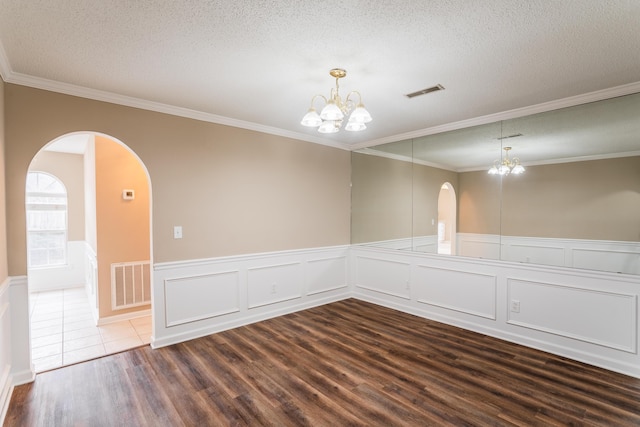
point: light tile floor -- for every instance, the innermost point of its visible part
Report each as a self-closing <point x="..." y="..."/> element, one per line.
<point x="63" y="331"/>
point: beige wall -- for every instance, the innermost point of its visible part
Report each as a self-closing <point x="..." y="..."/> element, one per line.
<point x="234" y="191"/>
<point x="68" y="168"/>
<point x="593" y="200"/>
<point x="122" y="225"/>
<point x="478" y="203"/>
<point x="4" y="272"/>
<point x="597" y="199"/>
<point x="394" y="199"/>
<point x="381" y="198"/>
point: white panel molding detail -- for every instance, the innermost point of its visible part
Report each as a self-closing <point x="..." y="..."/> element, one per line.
<point x="458" y="290"/>
<point x="22" y="370"/>
<point x="195" y="298"/>
<point x="327" y="274"/>
<point x="192" y="298"/>
<point x="576" y="312"/>
<point x="486" y="246"/>
<point x="428" y="244"/>
<point x="6" y="385"/>
<point x="536" y="254"/>
<point x="404" y="244"/>
<point x="602" y="255"/>
<point x="274" y="284"/>
<point x="611" y="259"/>
<point x="383" y="276"/>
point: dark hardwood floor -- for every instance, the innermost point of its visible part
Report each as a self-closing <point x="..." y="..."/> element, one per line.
<point x="346" y="363"/>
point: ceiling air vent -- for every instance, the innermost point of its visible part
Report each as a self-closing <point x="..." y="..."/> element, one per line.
<point x="435" y="88"/>
<point x="515" y="135"/>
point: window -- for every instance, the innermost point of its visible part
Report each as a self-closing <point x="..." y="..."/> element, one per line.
<point x="46" y="220"/>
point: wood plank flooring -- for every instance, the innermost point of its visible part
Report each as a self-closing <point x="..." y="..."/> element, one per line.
<point x="346" y="363"/>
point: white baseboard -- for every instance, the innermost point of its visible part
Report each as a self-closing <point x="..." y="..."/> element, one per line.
<point x="246" y="320"/>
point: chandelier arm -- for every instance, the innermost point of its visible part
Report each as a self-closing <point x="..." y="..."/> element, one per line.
<point x="317" y="96"/>
<point x="348" y="99"/>
<point x="354" y="92"/>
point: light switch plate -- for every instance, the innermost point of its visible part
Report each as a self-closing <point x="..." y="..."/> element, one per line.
<point x="177" y="232"/>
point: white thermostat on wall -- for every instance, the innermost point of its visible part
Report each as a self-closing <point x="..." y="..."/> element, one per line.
<point x="128" y="194"/>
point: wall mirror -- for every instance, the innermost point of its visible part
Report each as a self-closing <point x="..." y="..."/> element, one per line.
<point x="577" y="203"/>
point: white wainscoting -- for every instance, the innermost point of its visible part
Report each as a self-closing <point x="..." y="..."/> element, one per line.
<point x="70" y="275"/>
<point x="455" y="289"/>
<point x="15" y="345"/>
<point x="209" y="295"/>
<point x="6" y="385"/>
<point x="599" y="317"/>
<point x="588" y="316"/>
<point x="601" y="255"/>
<point x="21" y="367"/>
<point x="486" y="246"/>
<point x="388" y="277"/>
<point x="201" y="297"/>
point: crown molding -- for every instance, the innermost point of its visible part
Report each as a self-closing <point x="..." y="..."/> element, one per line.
<point x="557" y="104"/>
<point x="69" y="89"/>
<point x="113" y="98"/>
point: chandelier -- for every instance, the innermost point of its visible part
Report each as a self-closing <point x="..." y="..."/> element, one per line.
<point x="506" y="166"/>
<point x="332" y="114"/>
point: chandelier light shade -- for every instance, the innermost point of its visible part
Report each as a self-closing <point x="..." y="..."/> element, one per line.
<point x="506" y="166"/>
<point x="335" y="109"/>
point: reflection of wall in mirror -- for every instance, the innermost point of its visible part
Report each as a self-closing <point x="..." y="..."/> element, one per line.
<point x="381" y="200"/>
<point x="597" y="200"/>
<point x="578" y="214"/>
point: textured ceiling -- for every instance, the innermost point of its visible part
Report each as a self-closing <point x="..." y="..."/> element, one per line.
<point x="256" y="64"/>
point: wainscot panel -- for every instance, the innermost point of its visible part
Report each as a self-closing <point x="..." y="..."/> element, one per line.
<point x="191" y="299"/>
<point x="602" y="318"/>
<point x="485" y="246"/>
<point x="464" y="291"/>
<point x="600" y="255"/>
<point x="383" y="276"/>
<point x="275" y="283"/>
<point x="536" y="254"/>
<point x="610" y="259"/>
<point x="327" y="274"/>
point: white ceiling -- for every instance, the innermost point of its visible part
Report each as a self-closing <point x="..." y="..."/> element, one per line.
<point x="257" y="63"/>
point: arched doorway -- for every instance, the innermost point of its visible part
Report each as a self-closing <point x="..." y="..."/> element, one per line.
<point x="97" y="299"/>
<point x="447" y="210"/>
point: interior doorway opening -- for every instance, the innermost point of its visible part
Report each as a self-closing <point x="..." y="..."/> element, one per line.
<point x="447" y="218"/>
<point x="89" y="258"/>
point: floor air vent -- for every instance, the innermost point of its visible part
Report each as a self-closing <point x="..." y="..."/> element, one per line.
<point x="130" y="284"/>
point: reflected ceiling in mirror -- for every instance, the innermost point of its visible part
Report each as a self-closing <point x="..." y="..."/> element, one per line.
<point x="597" y="130"/>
